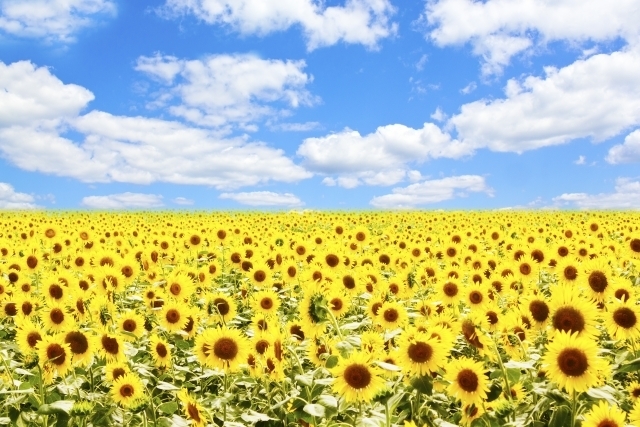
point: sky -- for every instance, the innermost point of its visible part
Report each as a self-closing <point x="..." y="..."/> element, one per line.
<point x="321" y="105"/>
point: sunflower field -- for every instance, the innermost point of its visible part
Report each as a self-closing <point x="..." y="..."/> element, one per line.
<point x="320" y="319"/>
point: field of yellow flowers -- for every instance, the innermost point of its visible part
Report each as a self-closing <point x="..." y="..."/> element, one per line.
<point x="319" y="318"/>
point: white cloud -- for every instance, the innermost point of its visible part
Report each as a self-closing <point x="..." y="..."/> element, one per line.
<point x="581" y="160"/>
<point x="182" y="201"/>
<point x="439" y="115"/>
<point x="29" y="94"/>
<point x="123" y="201"/>
<point x="432" y="191"/>
<point x="598" y="97"/>
<point x="358" y="21"/>
<point x="51" y="20"/>
<point x="626" y="196"/>
<point x="295" y="127"/>
<point x="469" y="88"/>
<point x="379" y="158"/>
<point x="263" y="198"/>
<point x="628" y="152"/>
<point x="421" y="62"/>
<point x="222" y="89"/>
<point x="500" y="29"/>
<point x="10" y="199"/>
<point x="120" y="148"/>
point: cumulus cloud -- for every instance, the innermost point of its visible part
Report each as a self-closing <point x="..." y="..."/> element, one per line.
<point x="625" y="196"/>
<point x="627" y="152"/>
<point x="10" y="199"/>
<point x="379" y="158"/>
<point x="52" y="20"/>
<point x="29" y="95"/>
<point x="121" y="148"/>
<point x="295" y="127"/>
<point x="358" y="21"/>
<point x="182" y="201"/>
<point x="581" y="160"/>
<point x="226" y="89"/>
<point x="500" y="29"/>
<point x="597" y="97"/>
<point x="123" y="201"/>
<point x="432" y="191"/>
<point x="263" y="198"/>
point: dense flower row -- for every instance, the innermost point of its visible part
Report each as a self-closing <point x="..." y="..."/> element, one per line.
<point x="319" y="318"/>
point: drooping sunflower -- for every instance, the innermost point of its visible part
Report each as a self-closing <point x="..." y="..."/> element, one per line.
<point x="80" y="345"/>
<point x="419" y="354"/>
<point x="160" y="351"/>
<point x="109" y="346"/>
<point x="572" y="362"/>
<point x="223" y="348"/>
<point x="54" y="354"/>
<point x="221" y="308"/>
<point x="357" y="379"/>
<point x="467" y="381"/>
<point x="622" y="320"/>
<point x="127" y="390"/>
<point x="313" y="318"/>
<point x="192" y="409"/>
<point x="603" y="414"/>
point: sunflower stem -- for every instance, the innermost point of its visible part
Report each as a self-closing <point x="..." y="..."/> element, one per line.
<point x="334" y="321"/>
<point x="574" y="404"/>
<point x="387" y="413"/>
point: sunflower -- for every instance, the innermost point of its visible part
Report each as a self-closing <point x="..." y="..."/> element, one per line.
<point x="265" y="301"/>
<point x="312" y="311"/>
<point x="538" y="309"/>
<point x="449" y="292"/>
<point x="54" y="354"/>
<point x="338" y="303"/>
<point x="467" y="381"/>
<point x="160" y="351"/>
<point x="108" y="279"/>
<point x="622" y="320"/>
<point x="391" y="315"/>
<point x="179" y="285"/>
<point x="633" y="248"/>
<point x="419" y="354"/>
<point x="260" y="275"/>
<point x="192" y="409"/>
<point x="475" y="296"/>
<point x="132" y="323"/>
<point x="571" y="312"/>
<point x="222" y="307"/>
<point x="56" y="319"/>
<point x="572" y="362"/>
<point x="634" y="415"/>
<point x="598" y="280"/>
<point x="568" y="271"/>
<point x="109" y="346"/>
<point x="357" y="379"/>
<point x="173" y="316"/>
<point x="603" y="414"/>
<point x="128" y="390"/>
<point x="80" y="346"/>
<point x="223" y="348"/>
<point x="115" y="370"/>
<point x="634" y="391"/>
<point x="28" y="335"/>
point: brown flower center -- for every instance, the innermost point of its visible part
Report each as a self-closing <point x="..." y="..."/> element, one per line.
<point x="419" y="352"/>
<point x="77" y="341"/>
<point x="572" y="362"/>
<point x="110" y="345"/>
<point x="332" y="260"/>
<point x="161" y="350"/>
<point x="173" y="316"/>
<point x="357" y="376"/>
<point x="450" y="289"/>
<point x="568" y="319"/>
<point x="262" y="346"/>
<point x="624" y="317"/>
<point x="475" y="297"/>
<point x="539" y="310"/>
<point x="266" y="303"/>
<point x="126" y="390"/>
<point x="391" y="315"/>
<point x="57" y="316"/>
<point x="598" y="281"/>
<point x="468" y="380"/>
<point x="56" y="354"/>
<point x="33" y="338"/>
<point x="222" y="305"/>
<point x="225" y="348"/>
<point x="570" y="272"/>
<point x="129" y="325"/>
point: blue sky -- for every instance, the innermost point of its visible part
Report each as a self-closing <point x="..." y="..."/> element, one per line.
<point x="302" y="104"/>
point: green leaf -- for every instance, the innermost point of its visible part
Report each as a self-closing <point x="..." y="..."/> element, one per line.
<point x="331" y="361"/>
<point x="513" y="375"/>
<point x="183" y="345"/>
<point x="423" y="384"/>
<point x="254" y="417"/>
<point x="605" y="392"/>
<point x="388" y="366"/>
<point x="561" y="417"/>
<point x="328" y="400"/>
<point x="314" y="409"/>
<point x="168" y="408"/>
<point x="305" y="379"/>
<point x="166" y="386"/>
